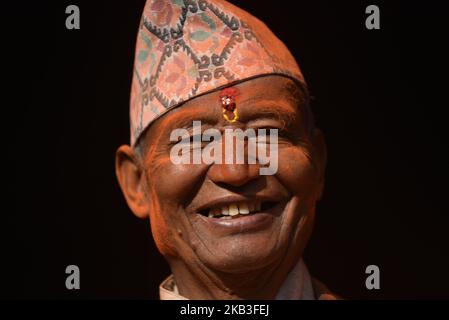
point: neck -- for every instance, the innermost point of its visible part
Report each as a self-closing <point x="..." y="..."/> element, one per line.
<point x="201" y="283"/>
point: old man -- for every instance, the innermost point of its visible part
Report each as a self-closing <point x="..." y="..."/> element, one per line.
<point x="216" y="98"/>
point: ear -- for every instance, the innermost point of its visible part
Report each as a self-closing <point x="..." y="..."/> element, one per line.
<point x="131" y="178"/>
<point x="320" y="155"/>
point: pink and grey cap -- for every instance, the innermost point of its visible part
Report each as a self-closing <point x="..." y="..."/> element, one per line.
<point x="186" y="48"/>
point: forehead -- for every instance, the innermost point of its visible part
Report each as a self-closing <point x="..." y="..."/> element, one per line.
<point x="275" y="95"/>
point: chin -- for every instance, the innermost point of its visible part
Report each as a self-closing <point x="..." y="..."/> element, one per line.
<point x="243" y="254"/>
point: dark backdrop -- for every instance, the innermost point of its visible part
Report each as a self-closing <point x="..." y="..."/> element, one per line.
<point x="379" y="97"/>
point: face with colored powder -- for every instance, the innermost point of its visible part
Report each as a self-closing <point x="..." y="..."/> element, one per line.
<point x="192" y="207"/>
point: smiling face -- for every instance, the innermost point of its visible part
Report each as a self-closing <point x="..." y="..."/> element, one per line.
<point x="193" y="207"/>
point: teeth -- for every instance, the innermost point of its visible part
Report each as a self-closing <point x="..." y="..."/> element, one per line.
<point x="243" y="208"/>
<point x="233" y="210"/>
<point x="214" y="212"/>
<point x="225" y="210"/>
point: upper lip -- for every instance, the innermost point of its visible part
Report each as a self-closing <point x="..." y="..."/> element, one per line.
<point x="231" y="199"/>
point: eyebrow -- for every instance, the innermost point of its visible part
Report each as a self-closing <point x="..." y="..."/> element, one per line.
<point x="277" y="109"/>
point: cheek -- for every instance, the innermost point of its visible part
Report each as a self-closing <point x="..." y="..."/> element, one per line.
<point x="163" y="234"/>
<point x="296" y="171"/>
<point x="170" y="188"/>
<point x="174" y="184"/>
<point x="298" y="174"/>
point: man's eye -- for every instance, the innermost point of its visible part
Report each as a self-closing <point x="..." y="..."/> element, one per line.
<point x="281" y="132"/>
<point x="196" y="141"/>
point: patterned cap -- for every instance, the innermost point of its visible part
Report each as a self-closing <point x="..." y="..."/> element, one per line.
<point x="186" y="48"/>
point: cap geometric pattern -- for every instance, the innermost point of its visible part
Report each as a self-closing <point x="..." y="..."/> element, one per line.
<point x="186" y="48"/>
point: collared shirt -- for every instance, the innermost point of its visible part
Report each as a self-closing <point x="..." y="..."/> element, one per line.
<point x="298" y="285"/>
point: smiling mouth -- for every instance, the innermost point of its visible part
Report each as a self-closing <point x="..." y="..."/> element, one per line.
<point x="237" y="209"/>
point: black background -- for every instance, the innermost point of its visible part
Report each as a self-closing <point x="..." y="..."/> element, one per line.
<point x="379" y="97"/>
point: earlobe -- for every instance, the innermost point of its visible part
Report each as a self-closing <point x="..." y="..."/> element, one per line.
<point x="130" y="176"/>
<point x="320" y="158"/>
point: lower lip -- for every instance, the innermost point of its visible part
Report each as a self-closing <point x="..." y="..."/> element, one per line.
<point x="247" y="223"/>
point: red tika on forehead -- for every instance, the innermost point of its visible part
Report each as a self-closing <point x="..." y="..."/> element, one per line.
<point x="228" y="99"/>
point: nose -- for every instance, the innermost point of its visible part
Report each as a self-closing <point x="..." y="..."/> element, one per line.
<point x="230" y="171"/>
<point x="235" y="175"/>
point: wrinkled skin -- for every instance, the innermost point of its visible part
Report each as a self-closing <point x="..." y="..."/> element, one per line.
<point x="210" y="262"/>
